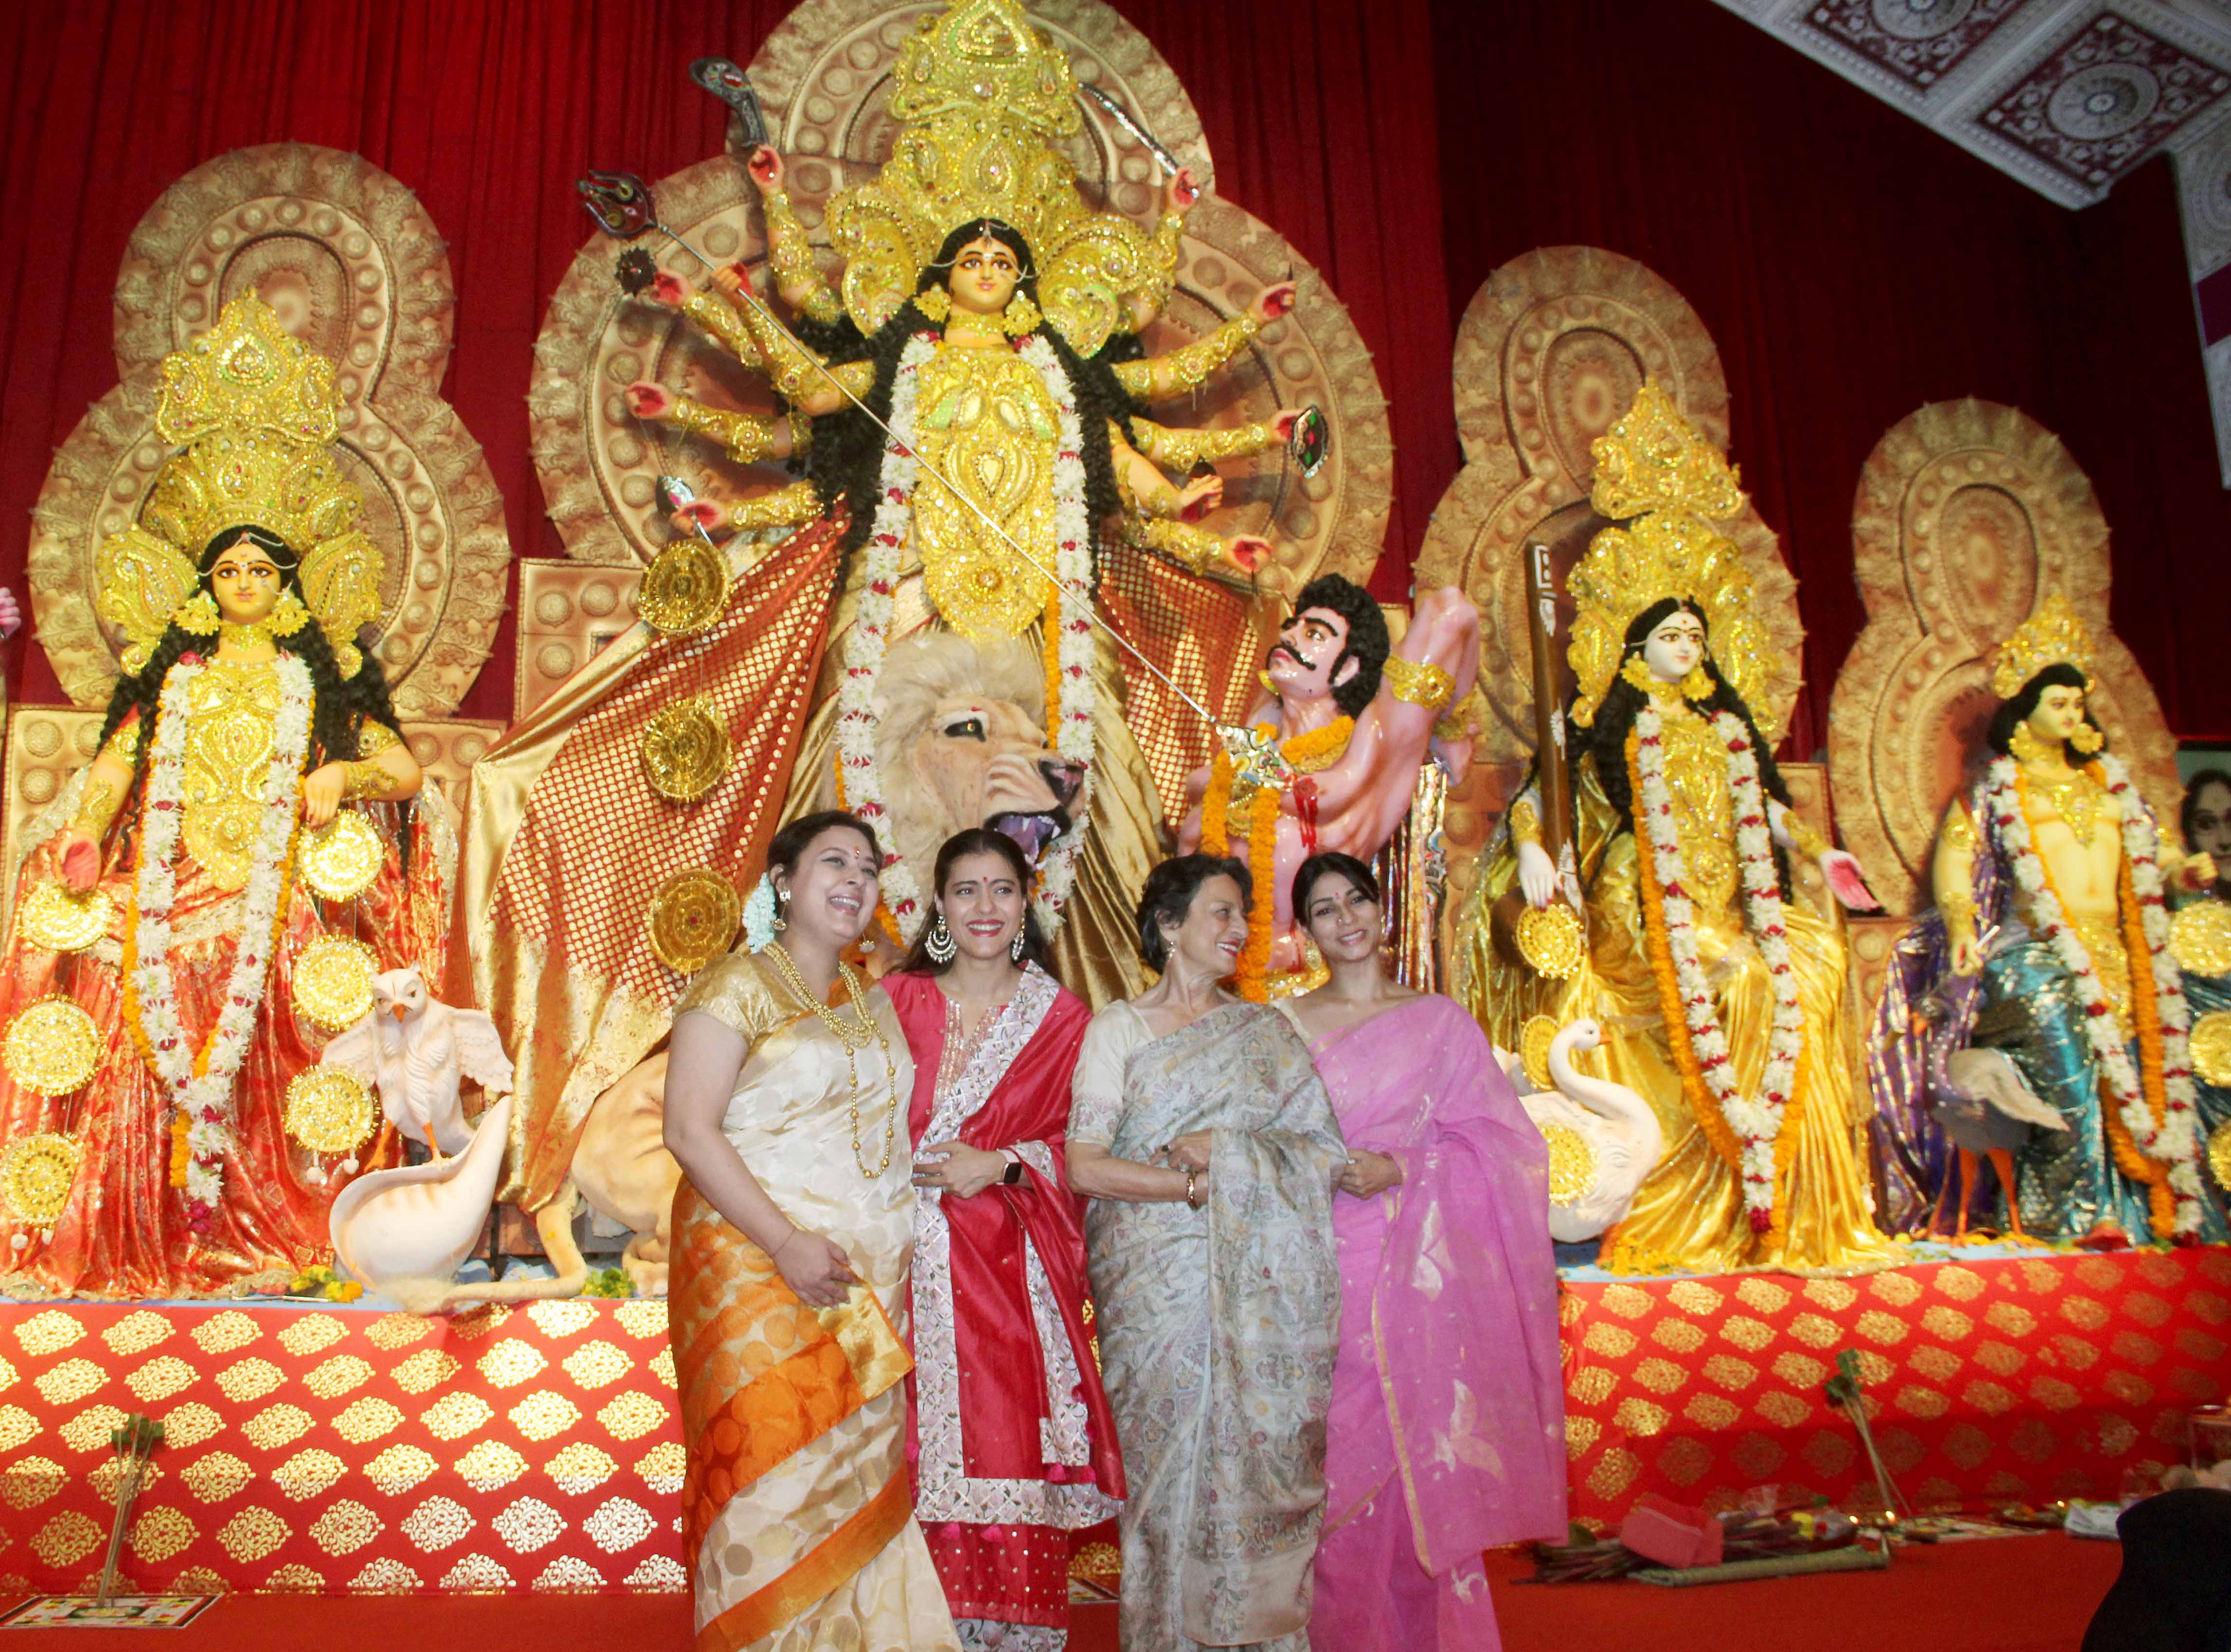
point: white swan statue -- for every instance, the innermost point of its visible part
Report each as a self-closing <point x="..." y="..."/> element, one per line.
<point x="404" y="1232"/>
<point x="1603" y="1138"/>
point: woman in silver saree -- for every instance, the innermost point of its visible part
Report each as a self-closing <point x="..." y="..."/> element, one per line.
<point x="1201" y="1133"/>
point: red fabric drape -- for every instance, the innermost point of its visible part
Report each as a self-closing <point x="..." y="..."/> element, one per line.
<point x="1850" y="264"/>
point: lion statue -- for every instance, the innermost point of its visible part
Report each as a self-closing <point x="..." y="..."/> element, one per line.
<point x="960" y="738"/>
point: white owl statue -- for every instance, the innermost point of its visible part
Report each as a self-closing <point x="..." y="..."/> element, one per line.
<point x="413" y="1048"/>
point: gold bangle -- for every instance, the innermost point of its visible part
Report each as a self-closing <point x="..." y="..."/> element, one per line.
<point x="1417" y="683"/>
<point x="1802" y="838"/>
<point x="1525" y="824"/>
<point x="366" y="779"/>
<point x="1189" y="1189"/>
<point x="96" y="808"/>
<point x="789" y="256"/>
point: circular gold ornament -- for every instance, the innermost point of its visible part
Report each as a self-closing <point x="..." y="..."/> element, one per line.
<point x="58" y="920"/>
<point x="2219" y="1155"/>
<point x="35" y="1173"/>
<point x="1572" y="1163"/>
<point x="332" y="981"/>
<point x="1534" y="1050"/>
<point x="342" y="858"/>
<point x="1551" y="940"/>
<point x="328" y="1110"/>
<point x="2200" y="936"/>
<point x="2210" y="1047"/>
<point x="685" y="750"/>
<point x="684" y="588"/>
<point x="692" y="919"/>
<point x="51" y="1046"/>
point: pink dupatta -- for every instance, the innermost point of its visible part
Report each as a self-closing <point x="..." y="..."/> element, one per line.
<point x="1462" y="1282"/>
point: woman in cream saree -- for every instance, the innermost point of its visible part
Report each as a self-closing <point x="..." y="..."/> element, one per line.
<point x="792" y="1239"/>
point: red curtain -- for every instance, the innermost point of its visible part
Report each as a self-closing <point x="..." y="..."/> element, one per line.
<point x="1850" y="264"/>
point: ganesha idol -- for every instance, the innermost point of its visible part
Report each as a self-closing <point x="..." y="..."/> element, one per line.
<point x="211" y="898"/>
<point x="1330" y="757"/>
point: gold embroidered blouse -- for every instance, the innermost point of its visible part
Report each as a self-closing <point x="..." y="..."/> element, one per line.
<point x="985" y="419"/>
<point x="232" y="711"/>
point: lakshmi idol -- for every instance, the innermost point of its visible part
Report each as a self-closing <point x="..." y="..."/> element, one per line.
<point x="1722" y="999"/>
<point x="2049" y="958"/>
<point x="990" y="319"/>
<point x="209" y="900"/>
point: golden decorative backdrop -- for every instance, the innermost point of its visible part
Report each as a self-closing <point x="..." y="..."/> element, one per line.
<point x="823" y="76"/>
<point x="1967" y="514"/>
<point x="356" y="270"/>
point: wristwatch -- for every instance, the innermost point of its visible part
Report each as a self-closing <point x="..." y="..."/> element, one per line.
<point x="1013" y="1176"/>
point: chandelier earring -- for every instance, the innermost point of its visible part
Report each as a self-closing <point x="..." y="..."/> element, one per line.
<point x="289" y="617"/>
<point x="1021" y="317"/>
<point x="198" y="615"/>
<point x="779" y="922"/>
<point x="935" y="302"/>
<point x="2024" y="746"/>
<point x="2086" y="737"/>
<point x="1015" y="946"/>
<point x="1698" y="684"/>
<point x="941" y="945"/>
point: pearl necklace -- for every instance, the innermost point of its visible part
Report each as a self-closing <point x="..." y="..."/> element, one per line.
<point x="854" y="1039"/>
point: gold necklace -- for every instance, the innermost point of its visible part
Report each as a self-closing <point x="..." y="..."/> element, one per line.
<point x="854" y="1039"/>
<point x="254" y="635"/>
<point x="2075" y="799"/>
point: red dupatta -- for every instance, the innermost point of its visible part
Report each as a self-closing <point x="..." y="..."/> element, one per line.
<point x="1001" y="1376"/>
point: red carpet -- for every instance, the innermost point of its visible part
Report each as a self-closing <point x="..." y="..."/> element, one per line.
<point x="2010" y="1595"/>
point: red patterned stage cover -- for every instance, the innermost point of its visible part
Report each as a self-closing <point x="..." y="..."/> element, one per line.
<point x="344" y="1450"/>
<point x="2029" y="1379"/>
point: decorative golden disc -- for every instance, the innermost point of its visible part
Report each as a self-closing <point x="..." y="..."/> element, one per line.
<point x="2219" y="1155"/>
<point x="342" y="858"/>
<point x="51" y="1047"/>
<point x="684" y="588"/>
<point x="328" y="1110"/>
<point x="1572" y="1163"/>
<point x="1551" y="940"/>
<point x="332" y="981"/>
<point x="35" y="1173"/>
<point x="2210" y="1045"/>
<point x="1534" y="1050"/>
<point x="2200" y="936"/>
<point x="58" y="920"/>
<point x="685" y="750"/>
<point x="692" y="919"/>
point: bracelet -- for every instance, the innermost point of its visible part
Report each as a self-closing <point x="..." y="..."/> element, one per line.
<point x="366" y="780"/>
<point x="1525" y="824"/>
<point x="1189" y="1189"/>
<point x="1417" y="683"/>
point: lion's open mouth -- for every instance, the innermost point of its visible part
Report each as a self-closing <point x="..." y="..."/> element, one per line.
<point x="1032" y="831"/>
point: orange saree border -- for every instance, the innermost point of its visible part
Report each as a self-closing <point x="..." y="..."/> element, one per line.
<point x="821" y="1573"/>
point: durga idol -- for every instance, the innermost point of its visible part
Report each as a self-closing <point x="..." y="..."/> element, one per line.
<point x="989" y="318"/>
<point x="1721" y="998"/>
<point x="210" y="899"/>
<point x="2044" y="986"/>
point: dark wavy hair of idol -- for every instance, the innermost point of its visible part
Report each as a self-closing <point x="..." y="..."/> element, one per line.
<point x="1606" y="737"/>
<point x="343" y="708"/>
<point x="1367" y="642"/>
<point x="1168" y="893"/>
<point x="1331" y="863"/>
<point x="847" y="462"/>
<point x="981" y="840"/>
<point x="2012" y="713"/>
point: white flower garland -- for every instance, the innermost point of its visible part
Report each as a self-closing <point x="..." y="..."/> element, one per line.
<point x="201" y="1089"/>
<point x="2173" y="1142"/>
<point x="1756" y="1122"/>
<point x="859" y="776"/>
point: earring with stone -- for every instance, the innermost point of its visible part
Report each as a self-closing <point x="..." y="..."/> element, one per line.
<point x="941" y="945"/>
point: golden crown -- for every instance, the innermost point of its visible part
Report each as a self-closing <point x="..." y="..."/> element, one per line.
<point x="2055" y="634"/>
<point x="984" y="95"/>
<point x="256" y="410"/>
<point x="1652" y="466"/>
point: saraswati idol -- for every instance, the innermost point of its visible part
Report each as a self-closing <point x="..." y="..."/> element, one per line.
<point x="1722" y="999"/>
<point x="990" y="317"/>
<point x="210" y="897"/>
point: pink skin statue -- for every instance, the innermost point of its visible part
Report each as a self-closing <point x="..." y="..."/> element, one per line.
<point x="1360" y="796"/>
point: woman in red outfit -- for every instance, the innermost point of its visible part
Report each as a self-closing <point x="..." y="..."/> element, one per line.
<point x="1016" y="1447"/>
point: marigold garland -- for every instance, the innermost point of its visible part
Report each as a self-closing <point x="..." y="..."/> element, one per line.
<point x="1306" y="754"/>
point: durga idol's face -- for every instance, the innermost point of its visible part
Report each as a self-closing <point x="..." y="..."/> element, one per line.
<point x="246" y="582"/>
<point x="1674" y="646"/>
<point x="985" y="276"/>
<point x="2059" y="714"/>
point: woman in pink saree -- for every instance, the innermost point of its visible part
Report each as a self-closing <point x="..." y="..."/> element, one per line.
<point x="1446" y="1433"/>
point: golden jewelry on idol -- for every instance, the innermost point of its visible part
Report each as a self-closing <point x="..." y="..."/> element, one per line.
<point x="854" y="1039"/>
<point x="254" y="412"/>
<point x="1665" y="484"/>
